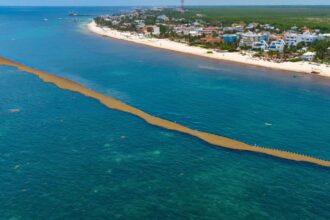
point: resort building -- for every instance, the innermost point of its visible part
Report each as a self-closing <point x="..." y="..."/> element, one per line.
<point x="248" y="39"/>
<point x="260" y="45"/>
<point x="151" y="30"/>
<point x="309" y="56"/>
<point x="229" y="38"/>
<point x="309" y="38"/>
<point x="155" y="30"/>
<point x="293" y="39"/>
<point x="277" y="45"/>
<point x="182" y="30"/>
<point x="195" y="33"/>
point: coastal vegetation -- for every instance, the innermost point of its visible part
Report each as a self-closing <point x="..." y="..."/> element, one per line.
<point x="322" y="50"/>
<point x="284" y="17"/>
<point x="272" y="33"/>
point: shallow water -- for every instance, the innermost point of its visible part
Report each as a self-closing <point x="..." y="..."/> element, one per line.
<point x="63" y="155"/>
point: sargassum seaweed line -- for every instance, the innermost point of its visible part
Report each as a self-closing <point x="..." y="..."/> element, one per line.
<point x="116" y="104"/>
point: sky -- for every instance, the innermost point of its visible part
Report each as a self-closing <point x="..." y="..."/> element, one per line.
<point x="159" y="2"/>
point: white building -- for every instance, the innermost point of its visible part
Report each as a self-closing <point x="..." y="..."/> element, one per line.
<point x="277" y="45"/>
<point x="152" y="29"/>
<point x="233" y="28"/>
<point x="195" y="33"/>
<point x="248" y="39"/>
<point x="309" y="56"/>
<point x="252" y="26"/>
<point x="309" y="38"/>
<point x="293" y="39"/>
<point x="188" y="30"/>
<point x="260" y="45"/>
<point x="156" y="30"/>
<point x="267" y="27"/>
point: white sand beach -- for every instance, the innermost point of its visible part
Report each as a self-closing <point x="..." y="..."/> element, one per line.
<point x="302" y="67"/>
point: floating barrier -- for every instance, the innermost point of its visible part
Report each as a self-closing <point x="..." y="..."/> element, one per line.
<point x="116" y="104"/>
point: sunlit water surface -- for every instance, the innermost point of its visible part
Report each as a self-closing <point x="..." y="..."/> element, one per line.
<point x="65" y="156"/>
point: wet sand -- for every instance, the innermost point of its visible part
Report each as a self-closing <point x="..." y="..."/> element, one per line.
<point x="235" y="57"/>
<point x="116" y="104"/>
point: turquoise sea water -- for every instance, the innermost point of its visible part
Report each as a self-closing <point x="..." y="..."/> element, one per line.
<point x="65" y="156"/>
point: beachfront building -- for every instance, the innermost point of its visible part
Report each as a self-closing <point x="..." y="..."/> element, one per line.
<point x="139" y="25"/>
<point x="229" y="38"/>
<point x="151" y="30"/>
<point x="309" y="38"/>
<point x="248" y="39"/>
<point x="309" y="56"/>
<point x="155" y="30"/>
<point x="140" y="28"/>
<point x="181" y="30"/>
<point x="195" y="33"/>
<point x="293" y="39"/>
<point x="277" y="45"/>
<point x="260" y="45"/>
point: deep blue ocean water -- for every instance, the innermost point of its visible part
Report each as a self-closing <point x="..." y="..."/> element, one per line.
<point x="65" y="156"/>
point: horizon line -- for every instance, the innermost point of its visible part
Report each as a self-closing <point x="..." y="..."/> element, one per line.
<point x="189" y="5"/>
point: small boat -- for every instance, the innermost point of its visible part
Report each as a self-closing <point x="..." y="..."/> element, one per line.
<point x="73" y="14"/>
<point x="45" y="19"/>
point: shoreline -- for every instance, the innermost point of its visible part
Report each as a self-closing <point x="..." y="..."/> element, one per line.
<point x="235" y="57"/>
